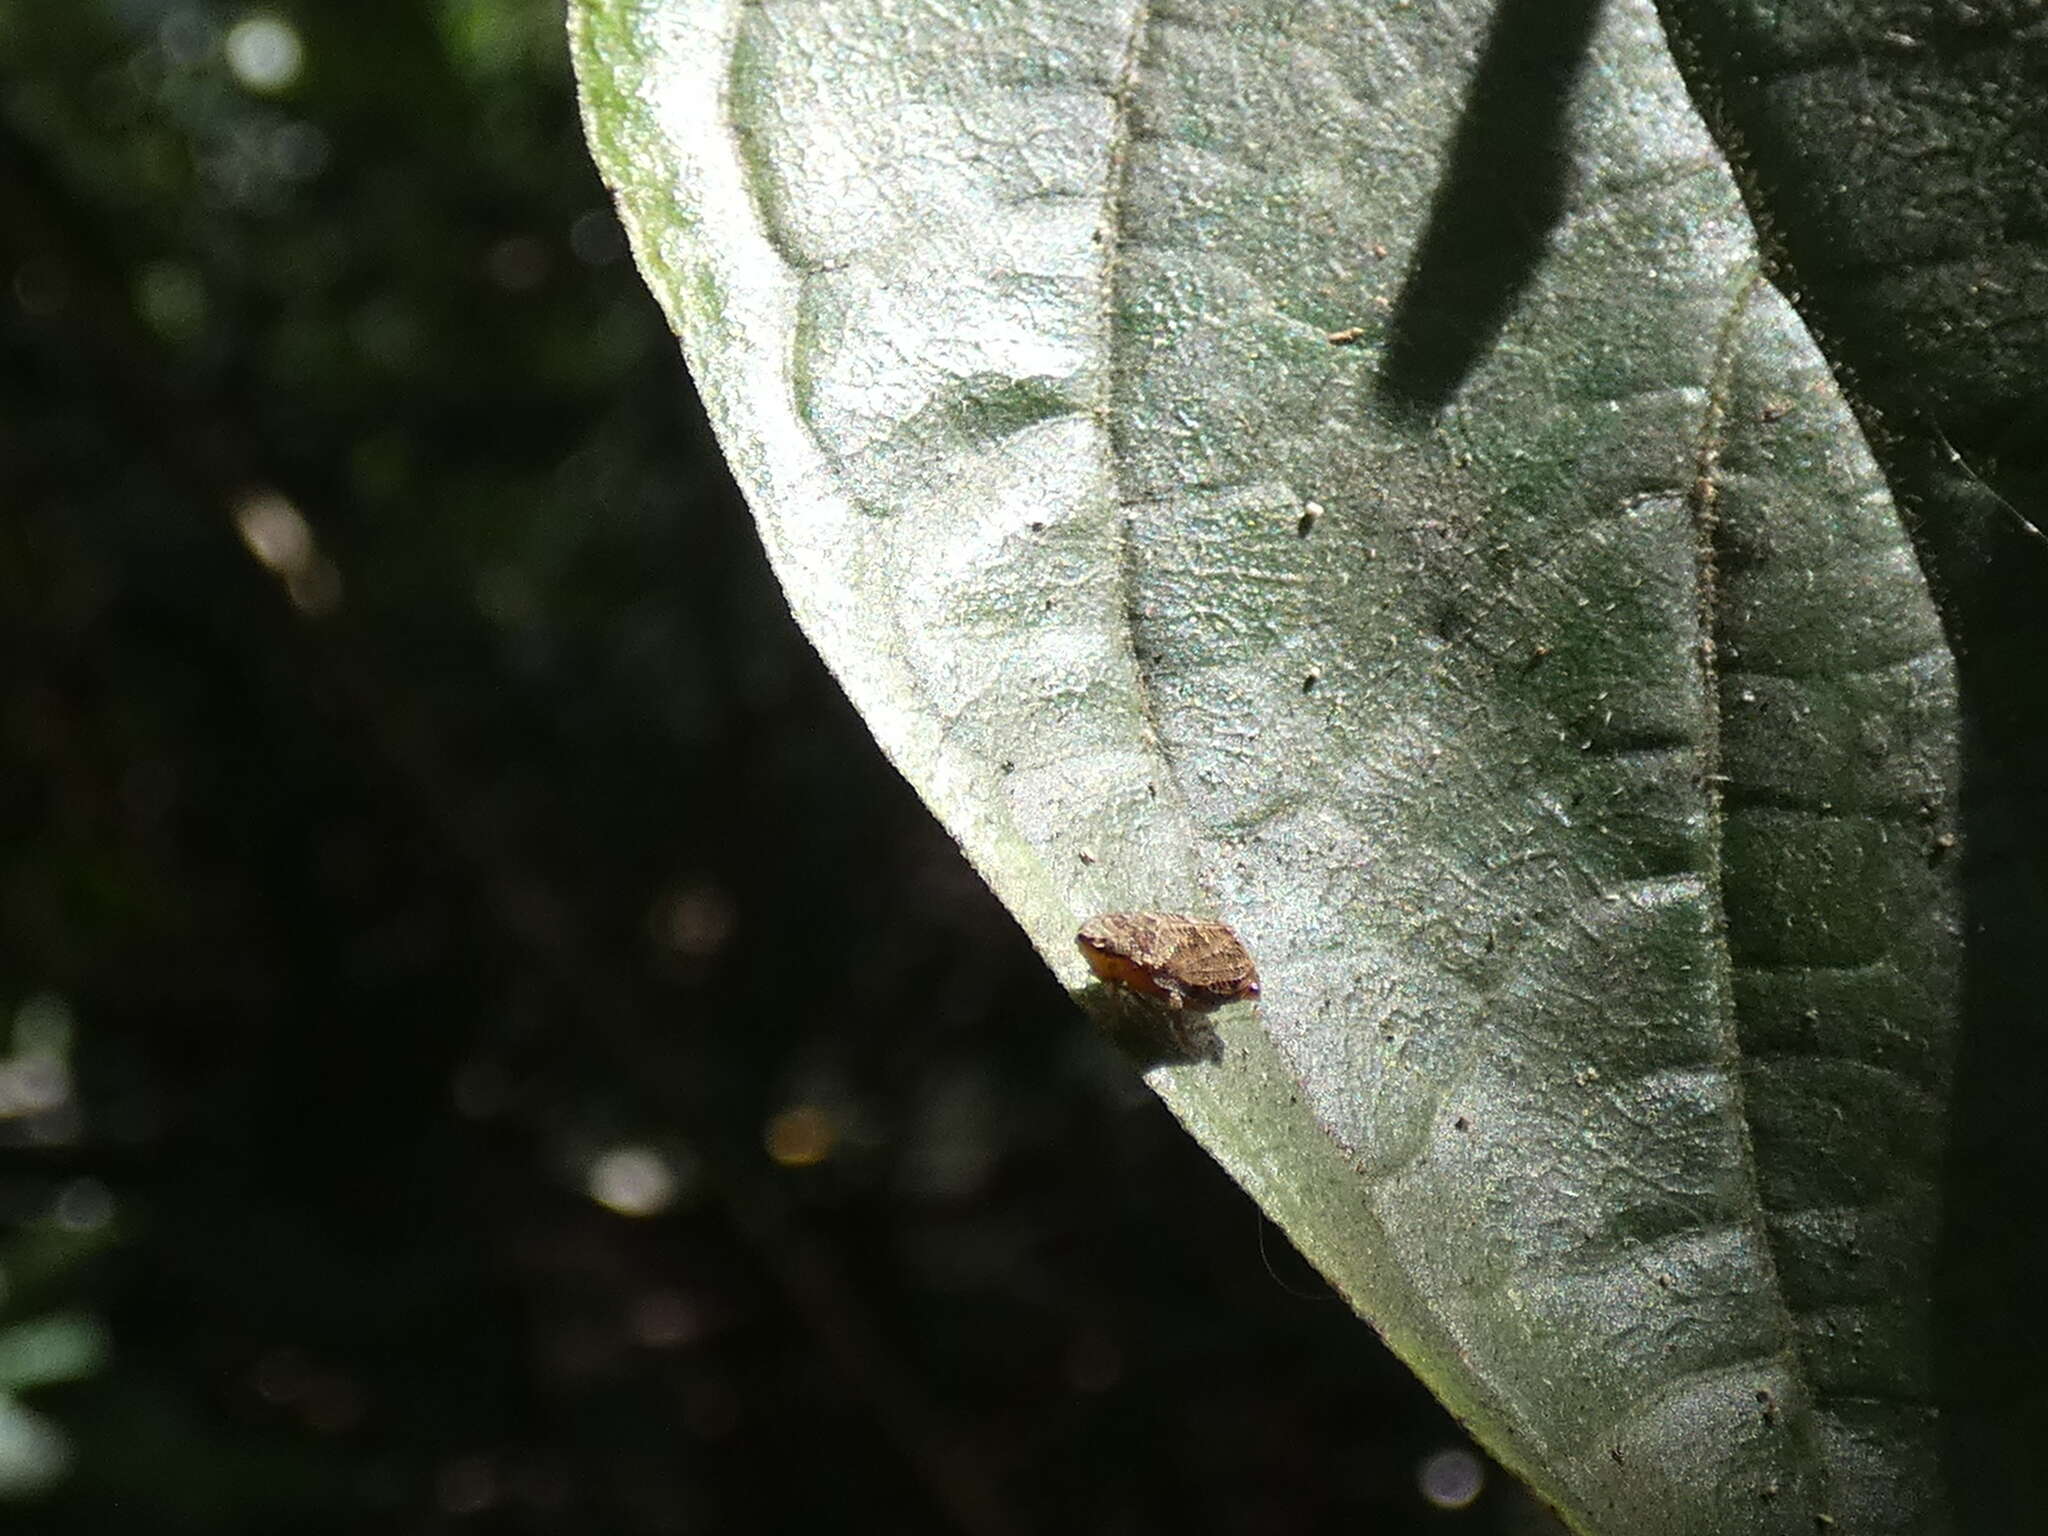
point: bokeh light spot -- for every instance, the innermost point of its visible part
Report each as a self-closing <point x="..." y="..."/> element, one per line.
<point x="171" y="298"/>
<point x="633" y="1181"/>
<point x="1451" y="1478"/>
<point x="275" y="533"/>
<point x="802" y="1136"/>
<point x="265" y="53"/>
<point x="43" y="1025"/>
<point x="596" y="238"/>
<point x="316" y="590"/>
<point x="38" y="1455"/>
<point x="33" y="1085"/>
<point x="279" y="536"/>
<point x="666" y="1320"/>
<point x="84" y="1205"/>
<point x="696" y="921"/>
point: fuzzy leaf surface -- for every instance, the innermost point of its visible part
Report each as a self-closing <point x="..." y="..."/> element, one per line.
<point x="1339" y="468"/>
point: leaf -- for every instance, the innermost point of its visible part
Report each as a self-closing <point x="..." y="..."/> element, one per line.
<point x="1898" y="154"/>
<point x="1537" y="677"/>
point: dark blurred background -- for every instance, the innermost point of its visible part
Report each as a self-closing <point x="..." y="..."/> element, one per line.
<point x="488" y="1043"/>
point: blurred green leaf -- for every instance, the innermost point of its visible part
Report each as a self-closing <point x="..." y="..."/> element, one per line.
<point x="33" y="1451"/>
<point x="48" y="1349"/>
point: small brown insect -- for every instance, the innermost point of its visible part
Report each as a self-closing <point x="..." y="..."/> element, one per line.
<point x="1183" y="962"/>
<point x="1350" y="336"/>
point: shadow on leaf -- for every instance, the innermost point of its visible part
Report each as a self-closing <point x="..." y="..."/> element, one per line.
<point x="1501" y="195"/>
<point x="1149" y="1033"/>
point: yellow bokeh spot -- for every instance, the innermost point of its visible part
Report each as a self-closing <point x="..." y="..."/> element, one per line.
<point x="802" y="1136"/>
